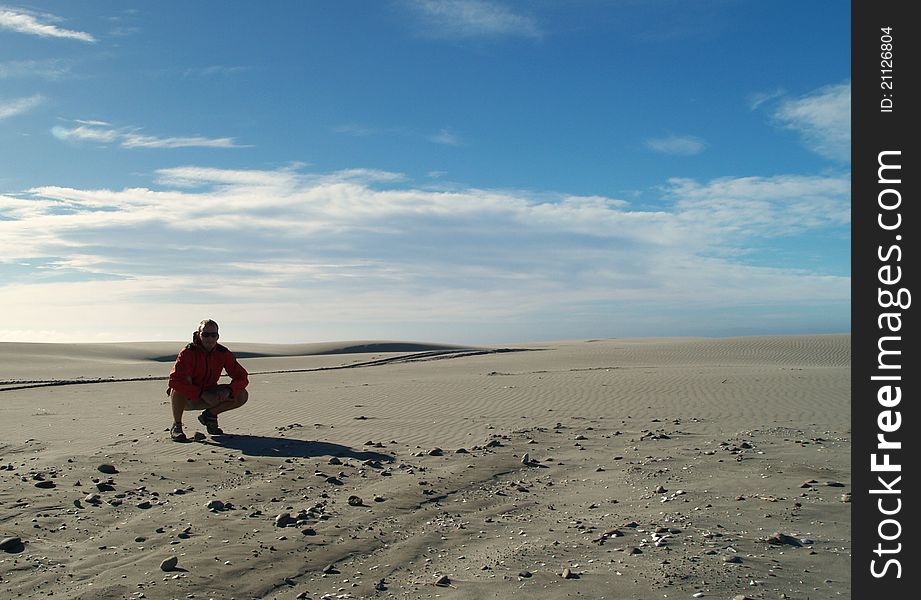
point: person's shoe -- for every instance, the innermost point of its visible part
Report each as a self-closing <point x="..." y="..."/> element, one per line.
<point x="210" y="423"/>
<point x="177" y="434"/>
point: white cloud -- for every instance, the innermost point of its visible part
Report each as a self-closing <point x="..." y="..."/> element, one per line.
<point x="18" y="106"/>
<point x="51" y="69"/>
<point x="446" y="137"/>
<point x="30" y="24"/>
<point x="100" y="131"/>
<point x="332" y="250"/>
<point x="757" y="99"/>
<point x="823" y="118"/>
<point x="473" y="18"/>
<point x="679" y="145"/>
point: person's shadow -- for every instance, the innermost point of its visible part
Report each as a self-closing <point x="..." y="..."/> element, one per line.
<point x="257" y="445"/>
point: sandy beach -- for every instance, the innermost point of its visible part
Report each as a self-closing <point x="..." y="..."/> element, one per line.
<point x="613" y="468"/>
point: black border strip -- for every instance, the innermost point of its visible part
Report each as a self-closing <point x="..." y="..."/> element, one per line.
<point x="884" y="269"/>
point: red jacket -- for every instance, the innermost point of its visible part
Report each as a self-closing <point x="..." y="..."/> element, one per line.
<point x="196" y="370"/>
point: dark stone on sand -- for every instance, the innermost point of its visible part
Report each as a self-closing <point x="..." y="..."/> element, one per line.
<point x="11" y="544"/>
<point x="525" y="574"/>
<point x="732" y="559"/>
<point x="308" y="531"/>
<point x="107" y="469"/>
<point x="216" y="505"/>
<point x="436" y="452"/>
<point x="781" y="538"/>
<point x="45" y="485"/>
<point x="442" y="581"/>
<point x="569" y="574"/>
<point x="144" y="504"/>
<point x="284" y="519"/>
<point x="335" y="461"/>
<point x="169" y="564"/>
<point x="355" y="501"/>
<point x="105" y="487"/>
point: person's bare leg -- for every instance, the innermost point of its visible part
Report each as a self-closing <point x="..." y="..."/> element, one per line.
<point x="178" y="401"/>
<point x="230" y="404"/>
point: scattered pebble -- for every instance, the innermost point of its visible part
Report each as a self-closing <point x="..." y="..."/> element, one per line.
<point x="169" y="564"/>
<point x="11" y="544"/>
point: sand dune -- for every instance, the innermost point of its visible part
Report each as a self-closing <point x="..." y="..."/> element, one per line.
<point x="658" y="468"/>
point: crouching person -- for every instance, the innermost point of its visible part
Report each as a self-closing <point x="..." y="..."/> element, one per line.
<point x="193" y="382"/>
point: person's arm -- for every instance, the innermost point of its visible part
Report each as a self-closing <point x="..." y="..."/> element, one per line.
<point x="239" y="378"/>
<point x="180" y="378"/>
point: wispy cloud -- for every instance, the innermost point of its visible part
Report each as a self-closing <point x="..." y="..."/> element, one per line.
<point x="37" y="24"/>
<point x="679" y="145"/>
<point x="50" y="69"/>
<point x="214" y="71"/>
<point x="351" y="248"/>
<point x="473" y="18"/>
<point x="18" y="106"/>
<point x="757" y="99"/>
<point x="102" y="132"/>
<point x="446" y="137"/>
<point x="823" y="118"/>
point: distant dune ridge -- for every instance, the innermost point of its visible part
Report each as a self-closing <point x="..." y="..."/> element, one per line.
<point x="612" y="468"/>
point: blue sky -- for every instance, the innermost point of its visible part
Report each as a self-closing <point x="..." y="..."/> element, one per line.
<point x="473" y="171"/>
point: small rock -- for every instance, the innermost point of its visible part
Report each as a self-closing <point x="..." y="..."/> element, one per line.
<point x="107" y="469"/>
<point x="732" y="559"/>
<point x="355" y="501"/>
<point x="660" y="490"/>
<point x="216" y="505"/>
<point x="308" y="531"/>
<point x="335" y="461"/>
<point x="569" y="574"/>
<point x="461" y="451"/>
<point x="11" y="544"/>
<point x="782" y="538"/>
<point x="330" y="569"/>
<point x="436" y="452"/>
<point x="525" y="574"/>
<point x="92" y="499"/>
<point x="284" y="519"/>
<point x="45" y="485"/>
<point x="169" y="564"/>
<point x="144" y="504"/>
<point x="442" y="581"/>
<point x="526" y="459"/>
